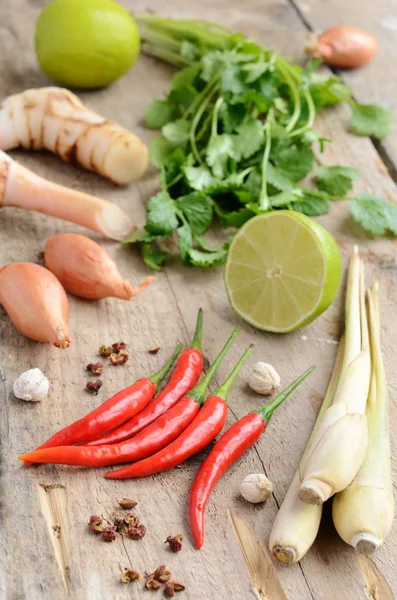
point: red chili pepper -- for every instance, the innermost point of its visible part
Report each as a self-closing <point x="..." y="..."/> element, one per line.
<point x="113" y="411"/>
<point x="154" y="437"/>
<point x="233" y="444"/>
<point x="201" y="431"/>
<point x="186" y="373"/>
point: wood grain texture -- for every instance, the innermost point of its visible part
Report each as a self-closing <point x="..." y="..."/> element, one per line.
<point x="162" y="315"/>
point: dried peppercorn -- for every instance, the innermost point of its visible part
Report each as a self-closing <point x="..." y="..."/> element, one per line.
<point x="175" y="542"/>
<point x="136" y="533"/>
<point x="152" y="585"/>
<point x="105" y="350"/>
<point x="95" y="368"/>
<point x="96" y="524"/>
<point x="109" y="533"/>
<point x="118" y="346"/>
<point x="94" y="386"/>
<point x="129" y="575"/>
<point x="118" y="359"/>
<point x="162" y="574"/>
<point x="127" y="503"/>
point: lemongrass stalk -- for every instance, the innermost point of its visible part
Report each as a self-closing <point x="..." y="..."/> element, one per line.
<point x="340" y="445"/>
<point x="296" y="525"/>
<point x="363" y="513"/>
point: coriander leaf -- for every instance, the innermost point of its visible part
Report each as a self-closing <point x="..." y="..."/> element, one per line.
<point x="152" y="257"/>
<point x="235" y="218"/>
<point x="283" y="198"/>
<point x="161" y="215"/>
<point x="183" y="96"/>
<point x="251" y="98"/>
<point x="158" y="114"/>
<point x="207" y="259"/>
<point x="328" y="90"/>
<point x="219" y="149"/>
<point x="138" y="235"/>
<point x="232" y="79"/>
<point x="254" y="70"/>
<point x="186" y="76"/>
<point x="376" y="215"/>
<point x="231" y="116"/>
<point x="205" y="246"/>
<point x="336" y="181"/>
<point x="295" y="160"/>
<point x="197" y="208"/>
<point x="199" y="178"/>
<point x="185" y="242"/>
<point x="249" y="139"/>
<point x="277" y="179"/>
<point x="311" y="205"/>
<point x="160" y="149"/>
<point x="190" y="51"/>
<point x="211" y="63"/>
<point x="177" y="132"/>
<point x="371" y="120"/>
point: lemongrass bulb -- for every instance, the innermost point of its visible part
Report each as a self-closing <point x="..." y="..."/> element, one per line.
<point x="35" y="302"/>
<point x="256" y="488"/>
<point x="87" y="270"/>
<point x="264" y="378"/>
<point x="31" y="386"/>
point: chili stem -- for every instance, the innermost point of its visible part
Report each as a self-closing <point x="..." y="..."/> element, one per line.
<point x="196" y="342"/>
<point x="157" y="377"/>
<point x="266" y="412"/>
<point x="198" y="392"/>
<point x="223" y="389"/>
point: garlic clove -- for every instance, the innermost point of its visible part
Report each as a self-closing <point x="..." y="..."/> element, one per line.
<point x="31" y="386"/>
<point x="264" y="378"/>
<point x="256" y="488"/>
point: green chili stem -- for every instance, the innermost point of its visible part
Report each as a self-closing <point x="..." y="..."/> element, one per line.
<point x="196" y="342"/>
<point x="198" y="392"/>
<point x="223" y="389"/>
<point x="266" y="412"/>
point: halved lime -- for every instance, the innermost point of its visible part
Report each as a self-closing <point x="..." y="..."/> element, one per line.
<point x="283" y="270"/>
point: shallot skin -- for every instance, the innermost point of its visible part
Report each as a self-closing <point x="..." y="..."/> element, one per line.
<point x="343" y="46"/>
<point x="85" y="269"/>
<point x="35" y="302"/>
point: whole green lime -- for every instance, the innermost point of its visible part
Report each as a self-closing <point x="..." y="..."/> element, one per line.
<point x="86" y="43"/>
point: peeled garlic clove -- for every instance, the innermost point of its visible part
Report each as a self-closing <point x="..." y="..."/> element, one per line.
<point x="256" y="488"/>
<point x="87" y="270"/>
<point x="264" y="378"/>
<point x="31" y="385"/>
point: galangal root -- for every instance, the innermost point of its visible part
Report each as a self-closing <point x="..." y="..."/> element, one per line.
<point x="86" y="270"/>
<point x="54" y="119"/>
<point x="35" y="302"/>
<point x="24" y="189"/>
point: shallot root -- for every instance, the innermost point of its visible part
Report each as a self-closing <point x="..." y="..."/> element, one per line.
<point x="342" y="46"/>
<point x="35" y="302"/>
<point x="22" y="188"/>
<point x="54" y="119"/>
<point x="85" y="269"/>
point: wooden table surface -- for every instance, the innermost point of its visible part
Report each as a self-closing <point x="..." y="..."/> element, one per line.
<point x="40" y="563"/>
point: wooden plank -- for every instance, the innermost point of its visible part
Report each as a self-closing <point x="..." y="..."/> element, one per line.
<point x="375" y="82"/>
<point x="162" y="315"/>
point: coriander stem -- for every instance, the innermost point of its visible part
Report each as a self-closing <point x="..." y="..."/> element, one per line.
<point x="285" y="71"/>
<point x="195" y="122"/>
<point x="264" y="203"/>
<point x="312" y="115"/>
<point x="215" y="116"/>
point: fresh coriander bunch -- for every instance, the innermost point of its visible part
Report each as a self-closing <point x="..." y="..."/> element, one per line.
<point x="237" y="139"/>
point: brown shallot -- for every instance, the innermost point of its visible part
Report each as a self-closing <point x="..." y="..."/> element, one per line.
<point x="342" y="46"/>
<point x="35" y="302"/>
<point x="54" y="119"/>
<point x="22" y="188"/>
<point x="87" y="270"/>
